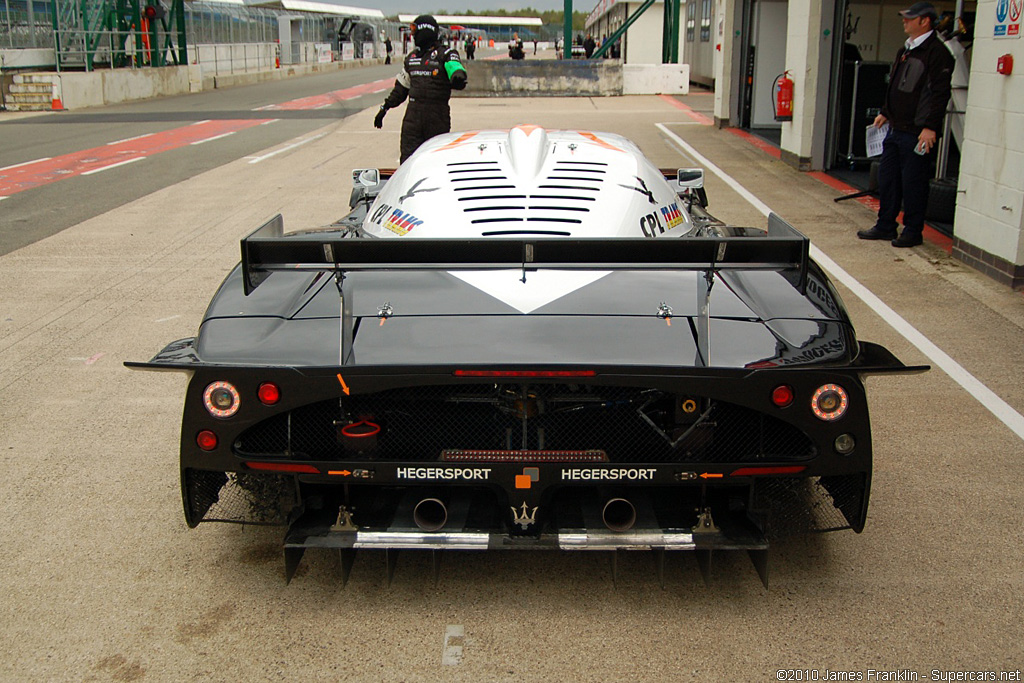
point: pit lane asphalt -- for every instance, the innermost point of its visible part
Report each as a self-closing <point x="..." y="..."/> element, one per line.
<point x="103" y="581"/>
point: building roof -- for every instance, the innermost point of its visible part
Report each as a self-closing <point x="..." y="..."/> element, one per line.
<point x="322" y="7"/>
<point x="476" y="21"/>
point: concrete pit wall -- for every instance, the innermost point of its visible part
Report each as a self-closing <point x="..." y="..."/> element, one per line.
<point x="497" y="78"/>
<point x="538" y="78"/>
<point x="97" y="88"/>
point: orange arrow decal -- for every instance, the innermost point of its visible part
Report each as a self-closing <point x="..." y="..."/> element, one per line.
<point x="344" y="473"/>
<point x="710" y="475"/>
<point x="344" y="387"/>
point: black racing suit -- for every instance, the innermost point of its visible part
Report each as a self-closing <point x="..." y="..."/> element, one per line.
<point x="428" y="78"/>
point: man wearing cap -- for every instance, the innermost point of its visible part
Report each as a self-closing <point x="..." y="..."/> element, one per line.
<point x="915" y="103"/>
<point x="430" y="73"/>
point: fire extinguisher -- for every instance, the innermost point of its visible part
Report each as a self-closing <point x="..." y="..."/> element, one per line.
<point x="783" y="89"/>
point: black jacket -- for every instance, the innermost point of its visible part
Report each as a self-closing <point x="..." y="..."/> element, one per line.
<point x="428" y="77"/>
<point x="919" y="87"/>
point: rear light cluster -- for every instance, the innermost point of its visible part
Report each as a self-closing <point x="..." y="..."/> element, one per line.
<point x="222" y="400"/>
<point x="829" y="402"/>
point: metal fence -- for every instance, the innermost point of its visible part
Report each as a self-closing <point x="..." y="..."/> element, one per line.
<point x="222" y="38"/>
<point x="211" y="23"/>
<point x="231" y="58"/>
<point x="25" y="24"/>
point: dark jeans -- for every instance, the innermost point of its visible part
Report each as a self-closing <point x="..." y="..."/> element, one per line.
<point x="902" y="180"/>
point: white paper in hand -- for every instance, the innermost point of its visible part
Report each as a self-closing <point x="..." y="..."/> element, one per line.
<point x="873" y="138"/>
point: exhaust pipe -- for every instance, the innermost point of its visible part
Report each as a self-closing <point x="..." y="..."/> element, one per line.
<point x="430" y="514"/>
<point x="618" y="514"/>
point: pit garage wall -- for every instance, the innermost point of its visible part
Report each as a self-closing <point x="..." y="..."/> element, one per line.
<point x="727" y="35"/>
<point x="642" y="42"/>
<point x="989" y="223"/>
<point x="809" y="46"/>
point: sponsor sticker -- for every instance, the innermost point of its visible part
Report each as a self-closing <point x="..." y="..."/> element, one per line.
<point x="401" y="222"/>
<point x="661" y="220"/>
<point x="625" y="474"/>
<point x="444" y="473"/>
<point x="672" y="215"/>
<point x="526" y="479"/>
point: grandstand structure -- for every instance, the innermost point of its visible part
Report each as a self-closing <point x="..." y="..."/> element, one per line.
<point x="233" y="34"/>
<point x="90" y="34"/>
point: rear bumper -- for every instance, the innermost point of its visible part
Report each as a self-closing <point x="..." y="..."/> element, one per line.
<point x="535" y="465"/>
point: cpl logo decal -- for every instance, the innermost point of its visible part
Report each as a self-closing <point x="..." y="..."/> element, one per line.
<point x="662" y="220"/>
<point x="401" y="222"/>
<point x="526" y="479"/>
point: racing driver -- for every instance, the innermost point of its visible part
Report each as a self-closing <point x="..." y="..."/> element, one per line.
<point x="430" y="74"/>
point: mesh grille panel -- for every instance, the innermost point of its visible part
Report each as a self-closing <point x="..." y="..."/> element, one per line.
<point x="240" y="497"/>
<point x="799" y="506"/>
<point x="628" y="424"/>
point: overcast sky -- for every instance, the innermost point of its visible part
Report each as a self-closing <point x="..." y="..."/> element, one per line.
<point x="390" y="7"/>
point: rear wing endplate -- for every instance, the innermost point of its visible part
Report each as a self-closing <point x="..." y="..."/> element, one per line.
<point x="267" y="250"/>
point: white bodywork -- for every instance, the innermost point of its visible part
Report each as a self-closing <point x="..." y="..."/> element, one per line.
<point x="528" y="182"/>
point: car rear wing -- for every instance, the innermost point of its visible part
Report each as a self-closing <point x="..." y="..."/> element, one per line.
<point x="267" y="250"/>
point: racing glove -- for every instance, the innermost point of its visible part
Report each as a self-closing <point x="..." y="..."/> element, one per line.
<point x="378" y="120"/>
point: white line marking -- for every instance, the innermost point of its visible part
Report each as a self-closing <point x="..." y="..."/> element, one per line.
<point x="25" y="163"/>
<point x="95" y="357"/>
<point x="1003" y="411"/>
<point x="215" y="137"/>
<point x="199" y="123"/>
<point x="454" y="638"/>
<point x="267" y="123"/>
<point x="107" y="168"/>
<point x="2" y="198"/>
<point x="163" y="320"/>
<point x="137" y="137"/>
<point x="256" y="160"/>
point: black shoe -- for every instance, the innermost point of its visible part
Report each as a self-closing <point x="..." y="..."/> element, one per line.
<point x="908" y="240"/>
<point x="875" y="234"/>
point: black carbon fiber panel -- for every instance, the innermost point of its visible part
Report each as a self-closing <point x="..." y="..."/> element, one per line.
<point x="627" y="424"/>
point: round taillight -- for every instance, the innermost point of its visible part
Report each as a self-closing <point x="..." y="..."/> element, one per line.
<point x="269" y="393"/>
<point x="206" y="440"/>
<point x="221" y="399"/>
<point x="782" y="395"/>
<point x="829" y="402"/>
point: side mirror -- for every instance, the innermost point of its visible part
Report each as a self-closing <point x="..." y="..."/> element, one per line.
<point x="690" y="178"/>
<point x="365" y="177"/>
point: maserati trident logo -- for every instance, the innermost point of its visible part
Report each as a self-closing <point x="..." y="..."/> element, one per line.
<point x="527" y="519"/>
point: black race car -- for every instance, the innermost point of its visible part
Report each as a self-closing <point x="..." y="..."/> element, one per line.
<point x="524" y="339"/>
